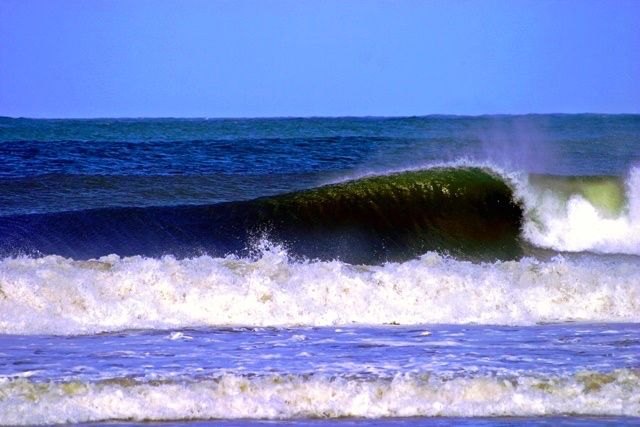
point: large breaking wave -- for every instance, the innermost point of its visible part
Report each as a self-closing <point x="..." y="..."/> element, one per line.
<point x="472" y="212"/>
<point x="464" y="211"/>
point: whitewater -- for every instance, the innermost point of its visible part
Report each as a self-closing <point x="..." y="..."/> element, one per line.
<point x="58" y="295"/>
<point x="278" y="397"/>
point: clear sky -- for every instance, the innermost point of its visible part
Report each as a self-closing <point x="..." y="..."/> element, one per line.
<point x="317" y="58"/>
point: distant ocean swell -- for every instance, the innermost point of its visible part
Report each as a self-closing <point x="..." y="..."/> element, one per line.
<point x="469" y="212"/>
<point x="55" y="295"/>
<point x="23" y="402"/>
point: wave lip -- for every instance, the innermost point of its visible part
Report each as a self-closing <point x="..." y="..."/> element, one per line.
<point x="311" y="396"/>
<point x="54" y="295"/>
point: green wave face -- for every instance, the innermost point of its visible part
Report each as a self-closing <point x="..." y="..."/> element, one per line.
<point x="468" y="212"/>
<point x="605" y="193"/>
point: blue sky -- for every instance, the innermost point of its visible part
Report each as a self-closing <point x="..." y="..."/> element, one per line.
<point x="321" y="58"/>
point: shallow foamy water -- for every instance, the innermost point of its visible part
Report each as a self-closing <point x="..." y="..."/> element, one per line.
<point x="293" y="373"/>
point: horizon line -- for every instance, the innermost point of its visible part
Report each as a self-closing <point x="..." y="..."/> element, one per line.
<point x="293" y="117"/>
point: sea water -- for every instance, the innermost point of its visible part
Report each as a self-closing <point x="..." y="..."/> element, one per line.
<point x="351" y="271"/>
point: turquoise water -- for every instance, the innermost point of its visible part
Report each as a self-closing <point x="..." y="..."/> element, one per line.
<point x="349" y="271"/>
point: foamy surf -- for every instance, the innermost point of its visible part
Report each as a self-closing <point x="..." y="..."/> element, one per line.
<point x="55" y="295"/>
<point x="600" y="216"/>
<point x="229" y="396"/>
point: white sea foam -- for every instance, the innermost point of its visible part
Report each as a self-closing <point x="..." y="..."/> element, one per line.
<point x="279" y="397"/>
<point x="62" y="296"/>
<point x="577" y="225"/>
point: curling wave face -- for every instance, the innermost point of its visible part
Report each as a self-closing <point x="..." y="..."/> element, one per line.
<point x="312" y="396"/>
<point x="56" y="295"/>
<point x="468" y="212"/>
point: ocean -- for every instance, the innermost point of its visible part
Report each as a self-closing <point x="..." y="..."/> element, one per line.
<point x="437" y="270"/>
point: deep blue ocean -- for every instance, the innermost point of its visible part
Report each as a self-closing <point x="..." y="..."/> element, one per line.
<point x="438" y="270"/>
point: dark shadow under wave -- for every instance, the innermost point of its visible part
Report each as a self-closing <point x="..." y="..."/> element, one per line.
<point x="468" y="212"/>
